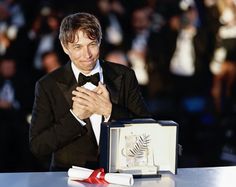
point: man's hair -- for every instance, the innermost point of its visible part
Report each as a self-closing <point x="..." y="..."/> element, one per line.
<point x="84" y="22"/>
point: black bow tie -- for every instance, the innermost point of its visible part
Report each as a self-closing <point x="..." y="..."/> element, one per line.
<point x="94" y="79"/>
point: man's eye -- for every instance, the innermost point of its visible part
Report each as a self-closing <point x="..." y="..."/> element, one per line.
<point x="93" y="44"/>
<point x="77" y="47"/>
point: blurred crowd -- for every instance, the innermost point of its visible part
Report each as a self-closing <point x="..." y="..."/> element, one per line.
<point x="183" y="53"/>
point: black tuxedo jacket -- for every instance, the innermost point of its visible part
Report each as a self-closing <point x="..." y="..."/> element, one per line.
<point x="55" y="132"/>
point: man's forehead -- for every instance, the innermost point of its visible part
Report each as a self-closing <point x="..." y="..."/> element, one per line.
<point x="81" y="37"/>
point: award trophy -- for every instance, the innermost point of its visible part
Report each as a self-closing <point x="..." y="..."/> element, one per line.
<point x="136" y="152"/>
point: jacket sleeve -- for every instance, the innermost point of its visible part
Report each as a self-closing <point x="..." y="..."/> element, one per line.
<point x="133" y="105"/>
<point x="47" y="134"/>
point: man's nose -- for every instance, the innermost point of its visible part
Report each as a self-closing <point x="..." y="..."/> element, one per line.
<point x="86" y="52"/>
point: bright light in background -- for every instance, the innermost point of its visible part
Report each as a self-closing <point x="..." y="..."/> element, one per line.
<point x="185" y="4"/>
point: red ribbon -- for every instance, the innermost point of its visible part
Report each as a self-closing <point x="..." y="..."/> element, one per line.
<point x="93" y="179"/>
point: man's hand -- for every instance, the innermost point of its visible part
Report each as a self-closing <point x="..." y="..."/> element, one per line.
<point x="78" y="108"/>
<point x="87" y="102"/>
<point x="105" y="97"/>
<point x="5" y="104"/>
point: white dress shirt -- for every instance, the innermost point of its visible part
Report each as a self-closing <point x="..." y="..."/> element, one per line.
<point x="182" y="62"/>
<point x="95" y="119"/>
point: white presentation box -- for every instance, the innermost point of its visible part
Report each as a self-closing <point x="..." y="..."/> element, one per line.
<point x="142" y="147"/>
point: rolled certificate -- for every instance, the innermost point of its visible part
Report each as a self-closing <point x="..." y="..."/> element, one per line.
<point x="79" y="173"/>
<point x="119" y="178"/>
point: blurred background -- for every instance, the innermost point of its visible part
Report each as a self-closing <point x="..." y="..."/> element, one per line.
<point x="183" y="53"/>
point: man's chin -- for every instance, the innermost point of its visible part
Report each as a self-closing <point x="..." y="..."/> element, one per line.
<point x="88" y="69"/>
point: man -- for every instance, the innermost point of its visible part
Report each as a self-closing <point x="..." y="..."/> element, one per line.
<point x="50" y="61"/>
<point x="14" y="104"/>
<point x="67" y="115"/>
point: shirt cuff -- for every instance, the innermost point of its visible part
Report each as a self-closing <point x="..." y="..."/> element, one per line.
<point x="81" y="121"/>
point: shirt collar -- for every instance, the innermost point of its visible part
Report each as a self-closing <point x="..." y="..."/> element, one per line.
<point x="96" y="69"/>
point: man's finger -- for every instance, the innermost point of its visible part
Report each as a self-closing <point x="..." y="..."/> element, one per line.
<point x="86" y="91"/>
<point x="103" y="88"/>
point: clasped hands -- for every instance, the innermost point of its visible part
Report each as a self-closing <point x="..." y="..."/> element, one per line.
<point x="87" y="102"/>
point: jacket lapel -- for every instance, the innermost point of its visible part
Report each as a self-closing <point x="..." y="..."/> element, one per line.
<point x="67" y="83"/>
<point x="112" y="81"/>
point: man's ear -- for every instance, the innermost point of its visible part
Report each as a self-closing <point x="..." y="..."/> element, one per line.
<point x="64" y="48"/>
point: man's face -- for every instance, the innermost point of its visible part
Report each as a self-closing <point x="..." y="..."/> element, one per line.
<point x="140" y="21"/>
<point x="7" y="68"/>
<point x="83" y="52"/>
